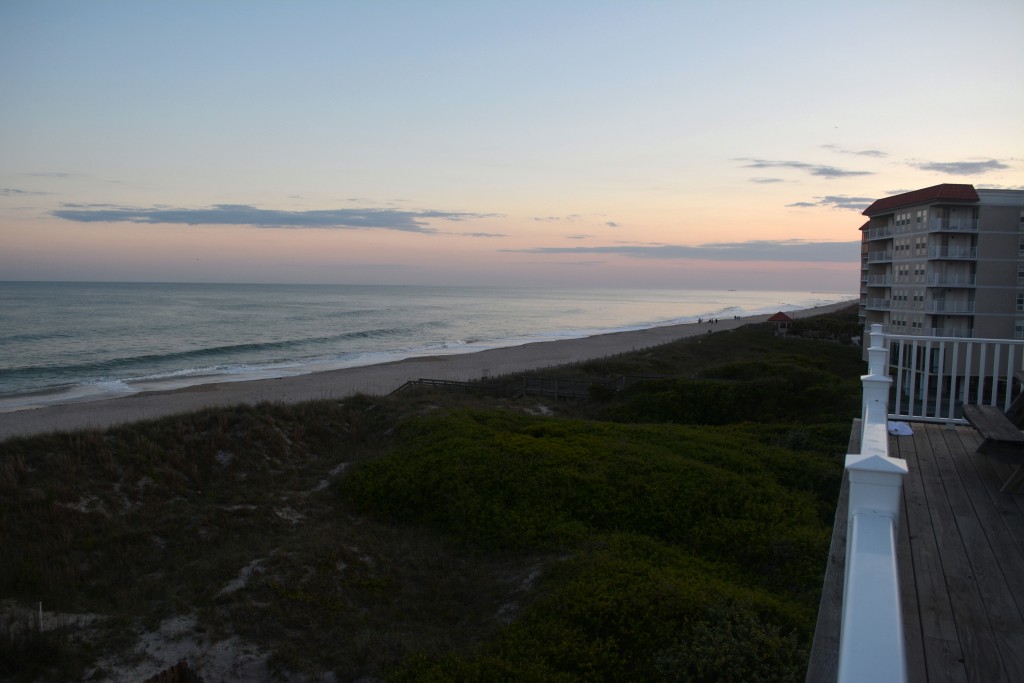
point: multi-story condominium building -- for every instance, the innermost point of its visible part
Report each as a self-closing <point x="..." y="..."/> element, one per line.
<point x="945" y="261"/>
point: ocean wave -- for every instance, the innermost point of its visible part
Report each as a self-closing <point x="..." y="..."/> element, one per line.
<point x="226" y="350"/>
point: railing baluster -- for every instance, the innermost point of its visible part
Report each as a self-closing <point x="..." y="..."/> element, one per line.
<point x="954" y="385"/>
<point x="1009" y="379"/>
<point x="981" y="373"/>
<point x="994" y="391"/>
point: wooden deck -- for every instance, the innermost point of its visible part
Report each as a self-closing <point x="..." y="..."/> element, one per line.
<point x="961" y="563"/>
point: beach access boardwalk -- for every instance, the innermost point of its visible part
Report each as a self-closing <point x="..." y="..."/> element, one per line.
<point x="960" y="551"/>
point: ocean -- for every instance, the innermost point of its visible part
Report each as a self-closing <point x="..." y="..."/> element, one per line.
<point x="68" y="342"/>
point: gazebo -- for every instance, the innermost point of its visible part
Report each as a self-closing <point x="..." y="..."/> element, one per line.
<point x="781" y="321"/>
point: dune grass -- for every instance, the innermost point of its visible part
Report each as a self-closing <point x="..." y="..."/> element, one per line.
<point x="676" y="531"/>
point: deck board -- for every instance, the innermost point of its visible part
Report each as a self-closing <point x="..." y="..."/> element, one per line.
<point x="942" y="654"/>
<point x="961" y="562"/>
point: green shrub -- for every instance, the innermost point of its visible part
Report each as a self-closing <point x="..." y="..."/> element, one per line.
<point x="632" y="608"/>
<point x="499" y="481"/>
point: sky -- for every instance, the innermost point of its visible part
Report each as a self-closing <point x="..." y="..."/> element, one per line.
<point x="644" y="144"/>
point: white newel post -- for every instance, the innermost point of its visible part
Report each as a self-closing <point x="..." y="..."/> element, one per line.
<point x="875" y="403"/>
<point x="871" y="643"/>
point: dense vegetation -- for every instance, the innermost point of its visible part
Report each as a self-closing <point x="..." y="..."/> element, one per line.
<point x="675" y="531"/>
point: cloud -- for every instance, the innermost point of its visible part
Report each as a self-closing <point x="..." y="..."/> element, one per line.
<point x="546" y="219"/>
<point x="55" y="175"/>
<point x="577" y="237"/>
<point x="961" y="167"/>
<point x="767" y="181"/>
<point x="478" y="234"/>
<point x="857" y="152"/>
<point x="987" y="186"/>
<point x="839" y="201"/>
<point x="754" y="250"/>
<point x="613" y="224"/>
<point x="12" y="192"/>
<point x="243" y="214"/>
<point x="813" y="169"/>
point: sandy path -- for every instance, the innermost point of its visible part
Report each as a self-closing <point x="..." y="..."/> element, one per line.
<point x="373" y="379"/>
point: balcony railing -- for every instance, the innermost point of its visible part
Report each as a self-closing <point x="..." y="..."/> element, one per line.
<point x="952" y="253"/>
<point x="953" y="225"/>
<point x="879" y="256"/>
<point x="878" y="304"/>
<point x="952" y="280"/>
<point x="880" y="233"/>
<point x="964" y="333"/>
<point x="950" y="307"/>
<point x="878" y="280"/>
<point x="871" y="645"/>
<point x="936" y="375"/>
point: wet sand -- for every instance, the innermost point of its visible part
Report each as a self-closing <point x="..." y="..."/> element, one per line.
<point x="372" y="379"/>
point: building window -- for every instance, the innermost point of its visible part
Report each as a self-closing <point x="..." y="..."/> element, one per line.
<point x="1020" y="301"/>
<point x="1018" y="329"/>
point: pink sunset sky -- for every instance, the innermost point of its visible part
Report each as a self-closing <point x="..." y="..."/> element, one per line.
<point x="639" y="144"/>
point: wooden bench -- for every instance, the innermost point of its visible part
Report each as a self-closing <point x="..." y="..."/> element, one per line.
<point x="1002" y="437"/>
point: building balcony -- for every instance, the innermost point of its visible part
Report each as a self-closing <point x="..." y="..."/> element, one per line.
<point x="953" y="225"/>
<point x="878" y="280"/>
<point x="950" y="307"/>
<point x="880" y="233"/>
<point x="952" y="280"/>
<point x="879" y="256"/>
<point x="954" y="332"/>
<point x="878" y="304"/>
<point x="952" y="253"/>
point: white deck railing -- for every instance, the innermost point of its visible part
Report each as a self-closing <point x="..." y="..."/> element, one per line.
<point x="871" y="646"/>
<point x="935" y="376"/>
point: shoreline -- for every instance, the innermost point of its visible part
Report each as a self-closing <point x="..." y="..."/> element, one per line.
<point x="378" y="379"/>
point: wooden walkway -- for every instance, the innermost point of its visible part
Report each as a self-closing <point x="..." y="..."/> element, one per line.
<point x="961" y="563"/>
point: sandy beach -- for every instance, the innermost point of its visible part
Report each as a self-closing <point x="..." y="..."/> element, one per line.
<point x="373" y="379"/>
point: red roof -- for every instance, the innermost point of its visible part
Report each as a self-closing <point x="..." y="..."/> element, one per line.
<point x="947" y="192"/>
<point x="780" y="317"/>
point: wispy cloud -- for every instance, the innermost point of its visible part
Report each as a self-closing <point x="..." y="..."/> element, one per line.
<point x="613" y="224"/>
<point x="478" y="234"/>
<point x="54" y="174"/>
<point x="856" y="152"/>
<point x="767" y="181"/>
<point x="754" y="250"/>
<point x="578" y="237"/>
<point x="12" y="192"/>
<point x="819" y="170"/>
<point x="961" y="167"/>
<point x="243" y="214"/>
<point x="552" y="219"/>
<point x="839" y="201"/>
<point x="986" y="186"/>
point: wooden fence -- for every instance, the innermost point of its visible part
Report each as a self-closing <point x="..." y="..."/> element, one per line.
<point x="551" y="387"/>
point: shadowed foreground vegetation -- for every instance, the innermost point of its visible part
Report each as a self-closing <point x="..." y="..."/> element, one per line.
<point x="675" y="531"/>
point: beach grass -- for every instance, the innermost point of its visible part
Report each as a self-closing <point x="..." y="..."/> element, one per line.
<point x="675" y="531"/>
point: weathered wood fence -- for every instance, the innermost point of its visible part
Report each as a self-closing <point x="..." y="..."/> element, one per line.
<point x="551" y="387"/>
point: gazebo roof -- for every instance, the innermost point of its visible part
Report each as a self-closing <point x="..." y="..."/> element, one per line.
<point x="780" y="317"/>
